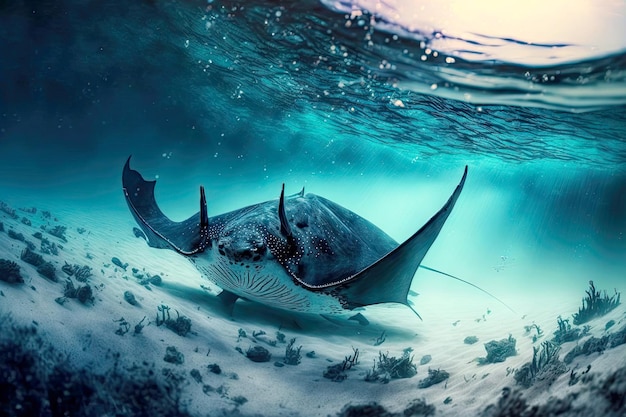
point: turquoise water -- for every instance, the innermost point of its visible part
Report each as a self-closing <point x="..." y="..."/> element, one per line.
<point x="356" y="102"/>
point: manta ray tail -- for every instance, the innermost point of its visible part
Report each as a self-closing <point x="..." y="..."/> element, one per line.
<point x="186" y="237"/>
<point x="468" y="283"/>
<point x="388" y="280"/>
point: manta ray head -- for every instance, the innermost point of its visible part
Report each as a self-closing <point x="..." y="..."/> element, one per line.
<point x="242" y="244"/>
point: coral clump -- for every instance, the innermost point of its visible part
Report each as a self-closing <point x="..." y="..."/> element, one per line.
<point x="181" y="325"/>
<point x="10" y="272"/>
<point x="595" y="304"/>
<point x="435" y="376"/>
<point x="292" y="355"/>
<point x="390" y="367"/>
<point x="545" y="364"/>
<point x="566" y="333"/>
<point x="498" y="351"/>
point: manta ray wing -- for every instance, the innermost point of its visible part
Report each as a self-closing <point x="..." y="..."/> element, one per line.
<point x="185" y="237"/>
<point x="388" y="280"/>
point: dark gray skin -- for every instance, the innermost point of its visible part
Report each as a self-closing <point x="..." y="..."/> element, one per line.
<point x="299" y="253"/>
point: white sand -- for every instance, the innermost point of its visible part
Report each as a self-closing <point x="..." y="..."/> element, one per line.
<point x="87" y="332"/>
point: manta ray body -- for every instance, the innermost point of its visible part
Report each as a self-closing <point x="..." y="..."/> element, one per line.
<point x="300" y="252"/>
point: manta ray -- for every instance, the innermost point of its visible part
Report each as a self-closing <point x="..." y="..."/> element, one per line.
<point x="300" y="252"/>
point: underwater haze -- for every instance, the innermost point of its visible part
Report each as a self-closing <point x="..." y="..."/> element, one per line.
<point x="377" y="106"/>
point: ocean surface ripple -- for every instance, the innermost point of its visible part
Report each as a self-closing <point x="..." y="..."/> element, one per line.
<point x="336" y="69"/>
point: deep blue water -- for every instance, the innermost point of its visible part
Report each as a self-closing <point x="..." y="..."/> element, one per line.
<point x="242" y="96"/>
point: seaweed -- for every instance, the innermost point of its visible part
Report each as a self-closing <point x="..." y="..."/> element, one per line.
<point x="48" y="270"/>
<point x="15" y="235"/>
<point x="59" y="232"/>
<point x="337" y="372"/>
<point x="566" y="333"/>
<point x="195" y="374"/>
<point x="351" y="360"/>
<point x="31" y="257"/>
<point x="49" y="248"/>
<point x="613" y="389"/>
<point x="510" y="403"/>
<point x="539" y="332"/>
<point x="241" y="334"/>
<point x="257" y="333"/>
<point x="80" y="273"/>
<point x="33" y="371"/>
<point x="597" y="345"/>
<point x="419" y="407"/>
<point x="239" y="399"/>
<point x="83" y="293"/>
<point x="608" y="399"/>
<point x="415" y="408"/>
<point x="591" y="345"/>
<point x="545" y="364"/>
<point x="124" y="327"/>
<point x="181" y="325"/>
<point x="595" y="304"/>
<point x="292" y="355"/>
<point x="617" y="338"/>
<point x="372" y="409"/>
<point x="498" y="351"/>
<point x="214" y="368"/>
<point x="10" y="272"/>
<point x="574" y="376"/>
<point x="388" y="368"/>
<point x="258" y="354"/>
<point x="434" y="377"/>
<point x="139" y="326"/>
<point x="30" y="245"/>
<point x="8" y="210"/>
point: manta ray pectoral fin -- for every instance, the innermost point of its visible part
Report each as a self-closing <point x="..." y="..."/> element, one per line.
<point x="388" y="280"/>
<point x="186" y="237"/>
<point x="285" y="229"/>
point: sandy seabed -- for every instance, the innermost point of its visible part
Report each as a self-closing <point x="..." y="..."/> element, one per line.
<point x="105" y="331"/>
